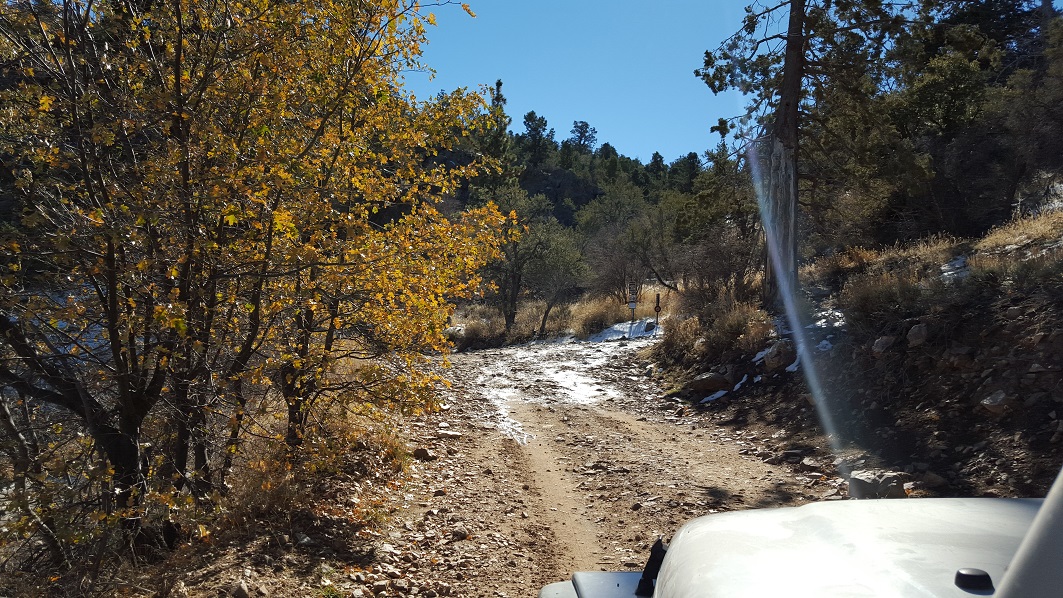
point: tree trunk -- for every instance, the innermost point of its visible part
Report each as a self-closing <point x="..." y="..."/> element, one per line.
<point x="546" y="314"/>
<point x="780" y="275"/>
<point x="780" y="219"/>
<point x="26" y="463"/>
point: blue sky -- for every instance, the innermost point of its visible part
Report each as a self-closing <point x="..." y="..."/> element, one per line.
<point x="624" y="66"/>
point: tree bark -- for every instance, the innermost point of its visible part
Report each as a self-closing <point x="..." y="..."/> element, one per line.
<point x="780" y="275"/>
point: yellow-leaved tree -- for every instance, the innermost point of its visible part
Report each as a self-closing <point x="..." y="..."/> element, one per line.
<point x="218" y="203"/>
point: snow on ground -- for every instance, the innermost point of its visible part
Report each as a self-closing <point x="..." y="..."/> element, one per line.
<point x="556" y="371"/>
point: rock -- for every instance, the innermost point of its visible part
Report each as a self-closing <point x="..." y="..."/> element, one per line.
<point x="448" y="434"/>
<point x="423" y="454"/>
<point x="874" y="483"/>
<point x="1014" y="312"/>
<point x="882" y="344"/>
<point x="780" y="355"/>
<point x="996" y="403"/>
<point x="708" y="382"/>
<point x="302" y="539"/>
<point x="459" y="533"/>
<point x="649" y="327"/>
<point x="959" y="356"/>
<point x="917" y="335"/>
<point x="240" y="589"/>
<point x="932" y="480"/>
<point x="1059" y="433"/>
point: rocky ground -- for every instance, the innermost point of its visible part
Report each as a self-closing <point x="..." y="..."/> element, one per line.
<point x="557" y="457"/>
<point x="546" y="459"/>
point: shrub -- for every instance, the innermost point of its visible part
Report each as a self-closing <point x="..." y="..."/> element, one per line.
<point x="596" y="314"/>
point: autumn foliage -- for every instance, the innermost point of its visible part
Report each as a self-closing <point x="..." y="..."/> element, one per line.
<point x="229" y="215"/>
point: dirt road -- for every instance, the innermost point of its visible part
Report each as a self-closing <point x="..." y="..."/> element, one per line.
<point x="557" y="457"/>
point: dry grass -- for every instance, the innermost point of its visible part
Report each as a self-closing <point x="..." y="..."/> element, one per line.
<point x="921" y="259"/>
<point x="483" y="326"/>
<point x="1022" y="231"/>
<point x="742" y="328"/>
<point x="906" y="281"/>
<point x="828" y="269"/>
<point x="596" y="314"/>
<point x="269" y="484"/>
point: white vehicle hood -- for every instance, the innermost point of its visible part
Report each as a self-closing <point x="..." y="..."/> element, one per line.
<point x="907" y="547"/>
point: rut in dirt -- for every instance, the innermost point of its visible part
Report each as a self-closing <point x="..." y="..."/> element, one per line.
<point x="609" y="465"/>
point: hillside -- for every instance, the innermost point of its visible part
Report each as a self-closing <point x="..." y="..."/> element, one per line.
<point x="941" y="360"/>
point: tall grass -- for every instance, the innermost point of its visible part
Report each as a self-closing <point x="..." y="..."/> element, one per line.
<point x="483" y="326"/>
<point x="887" y="286"/>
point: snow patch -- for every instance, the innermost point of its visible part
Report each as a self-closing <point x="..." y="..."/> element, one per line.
<point x="554" y="371"/>
<point x="759" y="357"/>
<point x="741" y="382"/>
<point x="713" y="397"/>
<point x="626" y="330"/>
<point x="828" y="318"/>
<point x="956" y="269"/>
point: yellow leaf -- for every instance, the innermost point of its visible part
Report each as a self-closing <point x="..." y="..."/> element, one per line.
<point x="46" y="103"/>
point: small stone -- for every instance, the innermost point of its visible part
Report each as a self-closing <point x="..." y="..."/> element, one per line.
<point x="996" y="403"/>
<point x="882" y="344"/>
<point x="423" y="454"/>
<point x="459" y="533"/>
<point x="917" y="335"/>
<point x="240" y="589"/>
<point x="707" y="383"/>
<point x="933" y="480"/>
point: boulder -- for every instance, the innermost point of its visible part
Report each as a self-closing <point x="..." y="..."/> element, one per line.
<point x="779" y="355"/>
<point x="933" y="480"/>
<point x="708" y="382"/>
<point x="882" y="344"/>
<point x="423" y="454"/>
<point x="917" y="335"/>
<point x="876" y="483"/>
<point x="996" y="403"/>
